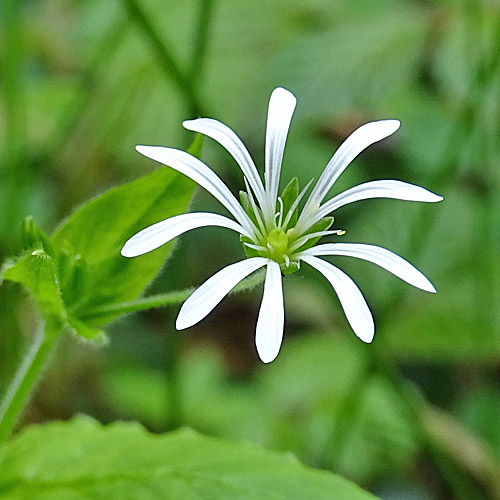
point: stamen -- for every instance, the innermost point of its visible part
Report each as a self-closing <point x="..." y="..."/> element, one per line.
<point x="276" y="215"/>
<point x="317" y="234"/>
<point x="282" y="208"/>
<point x="287" y="259"/>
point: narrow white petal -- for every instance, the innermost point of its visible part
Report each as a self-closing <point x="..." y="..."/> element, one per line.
<point x="359" y="140"/>
<point x="280" y="111"/>
<point x="162" y="232"/>
<point x="228" y="139"/>
<point x="396" y="190"/>
<point x="200" y="173"/>
<point x="269" y="333"/>
<point x="378" y="255"/>
<point x="355" y="307"/>
<point x="208" y="295"/>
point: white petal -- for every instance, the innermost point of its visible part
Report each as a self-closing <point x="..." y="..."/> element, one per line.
<point x="208" y="295"/>
<point x="270" y="324"/>
<point x="280" y="111"/>
<point x="396" y="190"/>
<point x="378" y="255"/>
<point x="355" y="308"/>
<point x="359" y="140"/>
<point x="162" y="232"/>
<point x="200" y="173"/>
<point x="227" y="138"/>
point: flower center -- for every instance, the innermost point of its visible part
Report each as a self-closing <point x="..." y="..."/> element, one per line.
<point x="277" y="243"/>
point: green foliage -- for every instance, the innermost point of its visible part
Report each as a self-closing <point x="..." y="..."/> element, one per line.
<point x="99" y="229"/>
<point x="319" y="399"/>
<point x="37" y="271"/>
<point x="82" y="459"/>
<point x="383" y="57"/>
<point x="74" y="105"/>
<point x="80" y="269"/>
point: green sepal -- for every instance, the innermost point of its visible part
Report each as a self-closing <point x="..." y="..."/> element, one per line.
<point x="288" y="197"/>
<point x="322" y="225"/>
<point x="248" y="208"/>
<point x="293" y="267"/>
<point x="32" y="237"/>
<point x="249" y="252"/>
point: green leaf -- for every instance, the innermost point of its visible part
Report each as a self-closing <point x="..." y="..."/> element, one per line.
<point x="97" y="231"/>
<point x="36" y="270"/>
<point x="82" y="459"/>
<point x="334" y="410"/>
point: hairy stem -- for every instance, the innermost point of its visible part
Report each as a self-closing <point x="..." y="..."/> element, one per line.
<point x="24" y="380"/>
<point x="164" y="299"/>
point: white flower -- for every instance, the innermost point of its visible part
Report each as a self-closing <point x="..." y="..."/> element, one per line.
<point x="272" y="234"/>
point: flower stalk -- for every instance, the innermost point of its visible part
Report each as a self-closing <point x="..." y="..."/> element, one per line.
<point x="24" y="380"/>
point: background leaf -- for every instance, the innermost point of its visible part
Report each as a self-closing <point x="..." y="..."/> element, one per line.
<point x="99" y="229"/>
<point x="82" y="459"/>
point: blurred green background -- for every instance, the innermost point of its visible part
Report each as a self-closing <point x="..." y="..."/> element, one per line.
<point x="84" y="81"/>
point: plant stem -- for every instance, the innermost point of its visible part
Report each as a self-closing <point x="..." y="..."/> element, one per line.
<point x="165" y="56"/>
<point x="200" y="35"/>
<point x="15" y="173"/>
<point x="24" y="380"/>
<point x="142" y="304"/>
<point x="417" y="408"/>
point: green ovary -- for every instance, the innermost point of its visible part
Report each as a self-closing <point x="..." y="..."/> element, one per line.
<point x="277" y="244"/>
<point x="276" y="247"/>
